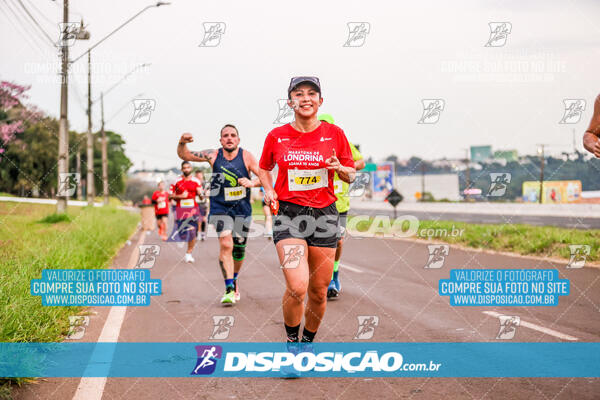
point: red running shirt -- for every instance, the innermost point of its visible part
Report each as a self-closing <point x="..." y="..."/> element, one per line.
<point x="161" y="202"/>
<point x="302" y="177"/>
<point x="191" y="186"/>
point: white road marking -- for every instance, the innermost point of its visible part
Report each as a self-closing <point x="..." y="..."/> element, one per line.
<point x="93" y="388"/>
<point x="535" y="327"/>
<point x="351" y="267"/>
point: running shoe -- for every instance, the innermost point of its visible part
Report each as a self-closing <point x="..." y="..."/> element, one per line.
<point x="237" y="290"/>
<point x="228" y="298"/>
<point x="188" y="258"/>
<point x="336" y="281"/>
<point x="269" y="235"/>
<point x="332" y="290"/>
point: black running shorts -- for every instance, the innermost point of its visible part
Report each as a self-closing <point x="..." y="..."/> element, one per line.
<point x="318" y="226"/>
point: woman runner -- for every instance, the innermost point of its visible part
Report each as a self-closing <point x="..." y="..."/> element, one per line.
<point x="308" y="154"/>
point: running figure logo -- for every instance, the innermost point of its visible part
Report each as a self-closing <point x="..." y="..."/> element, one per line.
<point x="574" y="108"/>
<point x="148" y="254"/>
<point x="579" y="253"/>
<point x="359" y="185"/>
<point x="68" y="184"/>
<point x="499" y="183"/>
<point x="68" y="33"/>
<point x="77" y="324"/>
<point x="212" y="34"/>
<point x="508" y="327"/>
<point x="366" y="326"/>
<point x="437" y="255"/>
<point x="432" y="109"/>
<point x="219" y="181"/>
<point x="207" y="359"/>
<point x="499" y="32"/>
<point x="142" y="110"/>
<point x="357" y="34"/>
<point x="222" y="326"/>
<point x="292" y="254"/>
<point x="285" y="113"/>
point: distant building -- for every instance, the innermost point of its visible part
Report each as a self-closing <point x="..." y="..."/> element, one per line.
<point x="441" y="186"/>
<point x="481" y="153"/>
<point x="508" y="155"/>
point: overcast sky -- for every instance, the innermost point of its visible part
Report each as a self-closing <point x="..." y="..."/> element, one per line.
<point x="509" y="96"/>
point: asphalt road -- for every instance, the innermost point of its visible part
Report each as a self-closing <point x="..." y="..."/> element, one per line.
<point x="565" y="221"/>
<point x="380" y="277"/>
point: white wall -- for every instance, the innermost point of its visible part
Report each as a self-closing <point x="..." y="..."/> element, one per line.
<point x="443" y="186"/>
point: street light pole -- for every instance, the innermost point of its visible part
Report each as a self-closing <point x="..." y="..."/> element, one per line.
<point x="63" y="128"/>
<point x="90" y="140"/>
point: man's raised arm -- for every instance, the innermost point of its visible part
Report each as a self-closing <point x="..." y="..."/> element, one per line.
<point x="187" y="155"/>
<point x="591" y="137"/>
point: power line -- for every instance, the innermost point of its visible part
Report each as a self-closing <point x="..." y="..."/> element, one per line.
<point x="23" y="27"/>
<point x="36" y="23"/>
<point x="53" y="23"/>
<point x="27" y="25"/>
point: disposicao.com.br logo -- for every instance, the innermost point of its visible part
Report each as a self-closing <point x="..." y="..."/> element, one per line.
<point x="304" y="359"/>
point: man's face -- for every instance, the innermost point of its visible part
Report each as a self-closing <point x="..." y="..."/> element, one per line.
<point x="186" y="169"/>
<point x="229" y="139"/>
<point x="161" y="186"/>
<point x="199" y="176"/>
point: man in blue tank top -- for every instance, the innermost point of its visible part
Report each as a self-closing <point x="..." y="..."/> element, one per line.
<point x="230" y="210"/>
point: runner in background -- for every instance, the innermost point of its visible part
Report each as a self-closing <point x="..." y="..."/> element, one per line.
<point x="230" y="209"/>
<point x="186" y="214"/>
<point x="202" y="200"/>
<point x="172" y="201"/>
<point x="160" y="199"/>
<point x="343" y="206"/>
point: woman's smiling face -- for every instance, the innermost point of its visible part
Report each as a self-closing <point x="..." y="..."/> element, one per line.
<point x="305" y="99"/>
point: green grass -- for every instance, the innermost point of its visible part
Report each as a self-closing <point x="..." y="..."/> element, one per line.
<point x="517" y="238"/>
<point x="32" y="238"/>
<point x="55" y="218"/>
<point x="257" y="208"/>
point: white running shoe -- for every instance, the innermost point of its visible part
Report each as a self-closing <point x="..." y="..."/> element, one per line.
<point x="188" y="258"/>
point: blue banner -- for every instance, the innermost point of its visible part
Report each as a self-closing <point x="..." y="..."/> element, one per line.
<point x="504" y="287"/>
<point x="365" y="359"/>
<point x="95" y="287"/>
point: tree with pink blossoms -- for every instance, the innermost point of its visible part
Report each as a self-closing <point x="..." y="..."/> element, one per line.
<point x="13" y="113"/>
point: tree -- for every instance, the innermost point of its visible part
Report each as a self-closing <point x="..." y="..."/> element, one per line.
<point x="13" y="114"/>
<point x="118" y="163"/>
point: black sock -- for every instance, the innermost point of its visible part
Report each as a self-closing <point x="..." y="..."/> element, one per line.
<point x="308" y="336"/>
<point x="292" y="332"/>
<point x="203" y="226"/>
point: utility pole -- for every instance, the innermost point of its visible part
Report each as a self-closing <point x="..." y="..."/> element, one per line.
<point x="63" y="129"/>
<point x="104" y="154"/>
<point x="541" y="152"/>
<point x="78" y="170"/>
<point x="90" y="139"/>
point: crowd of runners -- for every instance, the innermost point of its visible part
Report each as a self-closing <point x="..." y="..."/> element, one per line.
<point x="303" y="174"/>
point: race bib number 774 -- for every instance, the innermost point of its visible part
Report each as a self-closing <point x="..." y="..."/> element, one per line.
<point x="307" y="179"/>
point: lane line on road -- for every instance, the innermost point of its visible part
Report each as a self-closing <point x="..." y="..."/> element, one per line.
<point x="535" y="327"/>
<point x="351" y="267"/>
<point x="93" y="388"/>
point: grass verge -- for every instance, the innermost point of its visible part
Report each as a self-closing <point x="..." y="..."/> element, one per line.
<point x="32" y="238"/>
<point x="523" y="239"/>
